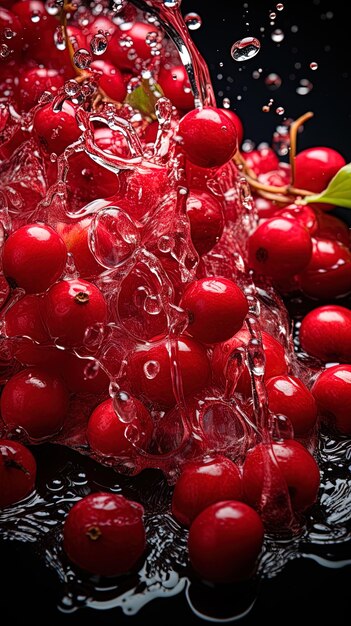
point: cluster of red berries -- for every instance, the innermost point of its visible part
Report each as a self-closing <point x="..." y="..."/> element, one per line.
<point x="69" y="283"/>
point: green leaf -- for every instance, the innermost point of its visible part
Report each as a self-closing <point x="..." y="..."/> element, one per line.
<point x="338" y="191"/>
<point x="145" y="97"/>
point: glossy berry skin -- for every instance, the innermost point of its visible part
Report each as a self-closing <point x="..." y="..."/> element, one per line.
<point x="34" y="257"/>
<point x="265" y="208"/>
<point x="76" y="238"/>
<point x="34" y="82"/>
<point x="193" y="364"/>
<point x="56" y="130"/>
<point x="275" y="363"/>
<point x="202" y="483"/>
<point x="209" y="137"/>
<point x="297" y="466"/>
<point x="279" y="248"/>
<point x="262" y="161"/>
<point x="23" y="322"/>
<point x="315" y="167"/>
<point x="118" y="54"/>
<point x="225" y="541"/>
<point x="17" y="472"/>
<point x="206" y="218"/>
<point x="106" y="432"/>
<point x="111" y="80"/>
<point x="305" y="215"/>
<point x="216" y="307"/>
<point x="328" y="274"/>
<point x="175" y="85"/>
<point x="326" y="333"/>
<point x="287" y="395"/>
<point x="36" y="401"/>
<point x="237" y="123"/>
<point x="70" y="308"/>
<point x="104" y="534"/>
<point x="330" y="227"/>
<point x="332" y="391"/>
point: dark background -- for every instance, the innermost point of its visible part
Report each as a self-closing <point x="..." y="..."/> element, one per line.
<point x="304" y="591"/>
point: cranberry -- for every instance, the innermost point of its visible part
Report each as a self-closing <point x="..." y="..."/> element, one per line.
<point x="305" y="215"/>
<point x="81" y="375"/>
<point x="328" y="274"/>
<point x="150" y="133"/>
<point x="111" y="80"/>
<point x="278" y="177"/>
<point x="87" y="180"/>
<point x="36" y="401"/>
<point x="149" y="369"/>
<point x="34" y="257"/>
<point x="118" y="52"/>
<point x="279" y="248"/>
<point x="206" y="218"/>
<point x="298" y="469"/>
<point x="275" y="363"/>
<point x="204" y="482"/>
<point x="330" y="227"/>
<point x="265" y="208"/>
<point x="332" y="391"/>
<point x="175" y="85"/>
<point x="71" y="307"/>
<point x="315" y="167"/>
<point x="34" y="82"/>
<point x="101" y="23"/>
<point x="106" y="432"/>
<point x="17" y="472"/>
<point x="104" y="534"/>
<point x="10" y="24"/>
<point x="23" y="321"/>
<point x="217" y="308"/>
<point x="287" y="395"/>
<point x="225" y="541"/>
<point x="209" y="137"/>
<point x="262" y="161"/>
<point x="56" y="129"/>
<point x="326" y="333"/>
<point x="76" y="238"/>
<point x="237" y="123"/>
<point x="4" y="290"/>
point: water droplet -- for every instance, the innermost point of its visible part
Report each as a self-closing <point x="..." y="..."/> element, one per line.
<point x="256" y="74"/>
<point x="91" y="369"/>
<point x="55" y="485"/>
<point x="171" y="4"/>
<point x="294" y="29"/>
<point x="53" y="7"/>
<point x="245" y="49"/>
<point x="277" y="35"/>
<point x="151" y="369"/>
<point x="273" y="81"/>
<point x="35" y="17"/>
<point x="226" y="103"/>
<point x="266" y="108"/>
<point x="99" y="44"/>
<point x="152" y="305"/>
<point x="151" y="39"/>
<point x="8" y="33"/>
<point x="4" y="51"/>
<point x="314" y="65"/>
<point x="114" y="237"/>
<point x="193" y="21"/>
<point x="248" y="145"/>
<point x="280" y="111"/>
<point x="272" y="15"/>
<point x="304" y="87"/>
<point x="279" y="6"/>
<point x="72" y="88"/>
<point x="82" y="59"/>
<point x="59" y="38"/>
<point x="118" y="5"/>
<point x="165" y="244"/>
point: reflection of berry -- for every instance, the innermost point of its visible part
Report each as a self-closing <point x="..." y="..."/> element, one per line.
<point x="17" y="472"/>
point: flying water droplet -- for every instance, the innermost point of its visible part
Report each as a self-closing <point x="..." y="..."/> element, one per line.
<point x="277" y="35"/>
<point x="304" y="87"/>
<point x="226" y="103"/>
<point x="82" y="59"/>
<point x="193" y="21"/>
<point x="314" y="65"/>
<point x="272" y="15"/>
<point x="125" y="41"/>
<point x="280" y="111"/>
<point x="4" y="51"/>
<point x="98" y="44"/>
<point x="280" y="6"/>
<point x="273" y="81"/>
<point x="245" y="49"/>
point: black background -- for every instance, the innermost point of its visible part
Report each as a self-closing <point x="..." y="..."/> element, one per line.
<point x="304" y="591"/>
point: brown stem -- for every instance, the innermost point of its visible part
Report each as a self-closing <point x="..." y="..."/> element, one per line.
<point x="293" y="141"/>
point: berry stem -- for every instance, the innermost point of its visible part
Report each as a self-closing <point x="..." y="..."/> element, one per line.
<point x="293" y="142"/>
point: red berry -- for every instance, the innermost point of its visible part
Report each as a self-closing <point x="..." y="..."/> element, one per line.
<point x="149" y="369"/>
<point x="275" y="363"/>
<point x="121" y="54"/>
<point x="287" y="395"/>
<point x="34" y="257"/>
<point x="104" y="534"/>
<point x="262" y="161"/>
<point x="328" y="274"/>
<point x="278" y="178"/>
<point x="225" y="541"/>
<point x="237" y="123"/>
<point x="326" y="333"/>
<point x="17" y="472"/>
<point x="332" y="391"/>
<point x="298" y="469"/>
<point x="34" y="82"/>
<point x="36" y="401"/>
<point x="56" y="129"/>
<point x="265" y="208"/>
<point x="24" y="324"/>
<point x="279" y="248"/>
<point x="150" y="132"/>
<point x="330" y="227"/>
<point x="315" y="167"/>
<point x="87" y="180"/>
<point x="76" y="238"/>
<point x="305" y="215"/>
<point x="209" y="137"/>
<point x="206" y="218"/>
<point x="175" y="85"/>
<point x="80" y="375"/>
<point x="106" y="431"/>
<point x="204" y="482"/>
<point x="101" y="23"/>
<point x="145" y="188"/>
<point x="11" y="35"/>
<point x="70" y="308"/>
<point x="111" y="80"/>
<point x="216" y="307"/>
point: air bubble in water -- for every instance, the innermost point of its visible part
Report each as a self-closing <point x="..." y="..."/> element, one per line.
<point x="82" y="59"/>
<point x="8" y="33"/>
<point x="280" y="111"/>
<point x="273" y="81"/>
<point x="304" y="87"/>
<point x="193" y="21"/>
<point x="151" y="369"/>
<point x="245" y="49"/>
<point x="113" y="237"/>
<point x="279" y="6"/>
<point x="277" y="35"/>
<point x="99" y="44"/>
<point x="72" y="88"/>
<point x="314" y="65"/>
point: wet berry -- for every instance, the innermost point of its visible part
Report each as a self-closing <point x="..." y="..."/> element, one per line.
<point x="56" y="129"/>
<point x="315" y="167"/>
<point x="287" y="395"/>
<point x="205" y="214"/>
<point x="17" y="472"/>
<point x="332" y="391"/>
<point x="328" y="274"/>
<point x="326" y="334"/>
<point x="175" y="85"/>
